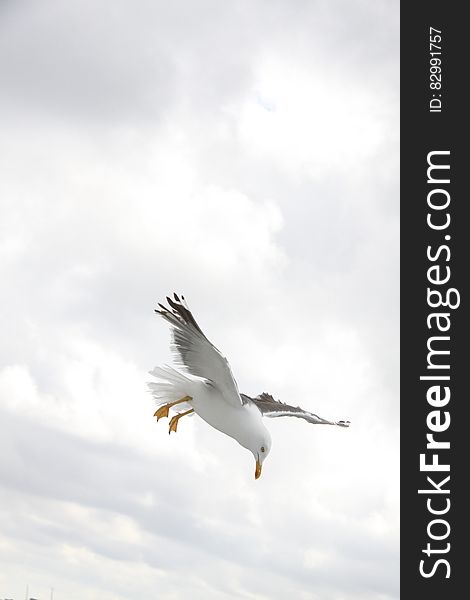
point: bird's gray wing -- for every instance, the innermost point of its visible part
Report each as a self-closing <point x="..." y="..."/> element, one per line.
<point x="274" y="408"/>
<point x="195" y="353"/>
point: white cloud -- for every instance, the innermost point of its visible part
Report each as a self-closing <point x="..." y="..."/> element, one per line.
<point x="284" y="120"/>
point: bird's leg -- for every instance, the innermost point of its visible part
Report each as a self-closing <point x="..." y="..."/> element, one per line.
<point x="163" y="410"/>
<point x="174" y="420"/>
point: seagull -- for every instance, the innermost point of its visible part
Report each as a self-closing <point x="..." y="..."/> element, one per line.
<point x="203" y="384"/>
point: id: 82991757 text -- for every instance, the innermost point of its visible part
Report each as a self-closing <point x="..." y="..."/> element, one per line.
<point x="435" y="69"/>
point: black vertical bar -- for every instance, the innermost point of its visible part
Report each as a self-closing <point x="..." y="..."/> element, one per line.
<point x="433" y="118"/>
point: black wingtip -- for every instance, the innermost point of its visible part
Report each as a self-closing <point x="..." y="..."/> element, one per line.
<point x="172" y="304"/>
<point x="175" y="296"/>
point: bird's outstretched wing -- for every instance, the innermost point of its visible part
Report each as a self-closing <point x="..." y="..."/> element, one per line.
<point x="195" y="352"/>
<point x="274" y="408"/>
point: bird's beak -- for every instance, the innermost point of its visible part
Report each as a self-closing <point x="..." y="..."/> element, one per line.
<point x="258" y="470"/>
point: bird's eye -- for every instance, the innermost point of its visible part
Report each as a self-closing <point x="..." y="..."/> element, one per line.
<point x="262" y="449"/>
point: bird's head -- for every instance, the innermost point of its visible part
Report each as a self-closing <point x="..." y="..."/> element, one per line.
<point x="260" y="450"/>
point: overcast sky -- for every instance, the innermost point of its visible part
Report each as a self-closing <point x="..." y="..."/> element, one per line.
<point x="244" y="154"/>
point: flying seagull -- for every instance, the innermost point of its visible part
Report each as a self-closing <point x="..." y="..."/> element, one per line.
<point x="204" y="385"/>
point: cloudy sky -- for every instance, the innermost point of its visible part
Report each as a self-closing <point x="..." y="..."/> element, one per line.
<point x="245" y="154"/>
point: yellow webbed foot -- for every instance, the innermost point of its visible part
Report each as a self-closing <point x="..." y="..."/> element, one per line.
<point x="162" y="411"/>
<point x="173" y="424"/>
<point x="174" y="420"/>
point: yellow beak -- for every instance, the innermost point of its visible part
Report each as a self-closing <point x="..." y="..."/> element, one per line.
<point x="258" y="470"/>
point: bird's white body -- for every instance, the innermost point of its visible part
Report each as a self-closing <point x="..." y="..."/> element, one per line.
<point x="243" y="422"/>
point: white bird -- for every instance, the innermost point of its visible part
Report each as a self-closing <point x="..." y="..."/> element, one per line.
<point x="204" y="385"/>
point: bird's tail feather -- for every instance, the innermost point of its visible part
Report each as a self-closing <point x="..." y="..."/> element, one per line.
<point x="172" y="385"/>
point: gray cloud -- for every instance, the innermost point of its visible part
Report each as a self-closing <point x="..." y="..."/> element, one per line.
<point x="57" y="471"/>
<point x="247" y="156"/>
